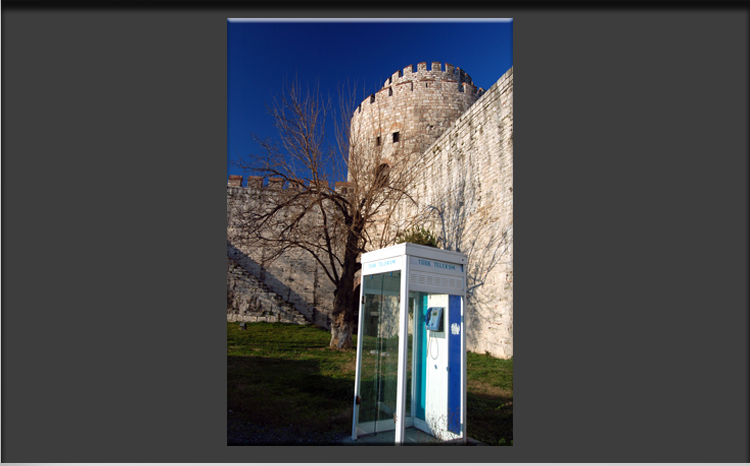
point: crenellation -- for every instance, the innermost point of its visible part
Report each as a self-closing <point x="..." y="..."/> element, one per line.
<point x="275" y="183"/>
<point x="295" y="184"/>
<point x="235" y="180"/>
<point x="319" y="185"/>
<point x="343" y="186"/>
<point x="255" y="182"/>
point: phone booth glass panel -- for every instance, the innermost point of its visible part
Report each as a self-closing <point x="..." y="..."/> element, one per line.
<point x="379" y="339"/>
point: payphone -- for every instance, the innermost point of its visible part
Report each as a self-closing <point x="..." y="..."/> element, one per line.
<point x="411" y="345"/>
<point x="434" y="319"/>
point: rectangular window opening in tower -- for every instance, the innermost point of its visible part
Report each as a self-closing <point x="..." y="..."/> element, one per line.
<point x="377" y="141"/>
<point x="396" y="136"/>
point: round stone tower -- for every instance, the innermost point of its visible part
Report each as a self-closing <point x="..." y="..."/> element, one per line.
<point x="412" y="109"/>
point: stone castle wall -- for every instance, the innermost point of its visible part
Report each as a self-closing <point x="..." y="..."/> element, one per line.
<point x="249" y="300"/>
<point x="294" y="276"/>
<point x="467" y="197"/>
<point x="465" y="194"/>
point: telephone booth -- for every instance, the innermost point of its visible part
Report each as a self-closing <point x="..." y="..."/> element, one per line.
<point x="411" y="345"/>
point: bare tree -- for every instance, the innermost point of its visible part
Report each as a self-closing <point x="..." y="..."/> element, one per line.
<point x="330" y="219"/>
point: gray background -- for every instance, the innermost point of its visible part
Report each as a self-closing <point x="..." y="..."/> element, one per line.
<point x="631" y="278"/>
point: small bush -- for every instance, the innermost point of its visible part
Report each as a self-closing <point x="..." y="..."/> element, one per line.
<point x="417" y="235"/>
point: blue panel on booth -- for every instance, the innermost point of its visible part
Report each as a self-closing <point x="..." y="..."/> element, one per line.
<point x="454" y="364"/>
<point x="421" y="370"/>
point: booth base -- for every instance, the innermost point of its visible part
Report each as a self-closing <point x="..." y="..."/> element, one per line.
<point x="412" y="436"/>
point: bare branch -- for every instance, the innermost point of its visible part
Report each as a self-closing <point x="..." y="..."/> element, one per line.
<point x="331" y="222"/>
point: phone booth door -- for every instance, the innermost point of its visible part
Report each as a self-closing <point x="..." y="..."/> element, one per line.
<point x="380" y="340"/>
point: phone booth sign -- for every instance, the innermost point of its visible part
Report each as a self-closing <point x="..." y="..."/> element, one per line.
<point x="411" y="345"/>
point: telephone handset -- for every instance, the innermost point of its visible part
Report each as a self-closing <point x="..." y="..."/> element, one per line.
<point x="434" y="319"/>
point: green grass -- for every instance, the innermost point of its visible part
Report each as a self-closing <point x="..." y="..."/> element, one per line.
<point x="489" y="399"/>
<point x="283" y="381"/>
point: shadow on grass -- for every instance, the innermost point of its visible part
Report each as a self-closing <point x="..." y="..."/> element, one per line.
<point x="491" y="416"/>
<point x="285" y="386"/>
<point x="275" y="401"/>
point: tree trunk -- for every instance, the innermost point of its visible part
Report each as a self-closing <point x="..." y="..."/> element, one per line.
<point x="341" y="332"/>
<point x="342" y="323"/>
<point x="344" y="301"/>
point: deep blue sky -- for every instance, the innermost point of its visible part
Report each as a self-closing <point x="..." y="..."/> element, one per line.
<point x="262" y="55"/>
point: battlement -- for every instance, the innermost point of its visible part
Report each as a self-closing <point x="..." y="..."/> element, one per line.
<point x="254" y="181"/>
<point x="277" y="183"/>
<point x="343" y="186"/>
<point x="235" y="180"/>
<point x="437" y="71"/>
<point x="438" y="78"/>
